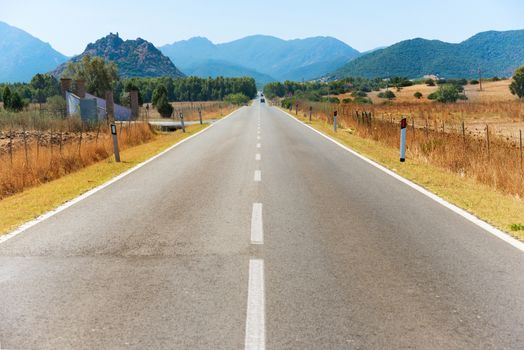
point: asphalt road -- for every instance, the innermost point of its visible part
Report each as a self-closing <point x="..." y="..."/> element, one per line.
<point x="315" y="250"/>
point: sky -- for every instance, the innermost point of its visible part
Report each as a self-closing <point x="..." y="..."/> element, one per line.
<point x="365" y="24"/>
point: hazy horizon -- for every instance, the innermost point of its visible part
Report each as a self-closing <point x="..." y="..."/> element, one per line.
<point x="357" y="24"/>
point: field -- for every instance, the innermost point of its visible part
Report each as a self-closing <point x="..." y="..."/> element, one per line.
<point x="492" y="91"/>
<point x="36" y="146"/>
<point x="494" y="107"/>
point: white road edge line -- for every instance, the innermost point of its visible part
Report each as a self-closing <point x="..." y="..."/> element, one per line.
<point x="258" y="156"/>
<point x="45" y="216"/>
<point x="255" y="314"/>
<point x="259" y="145"/>
<point x="257" y="227"/>
<point x="258" y="137"/>
<point x="258" y="176"/>
<point x="468" y="216"/>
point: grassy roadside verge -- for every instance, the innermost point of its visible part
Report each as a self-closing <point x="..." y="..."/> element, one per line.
<point x="496" y="208"/>
<point x="27" y="205"/>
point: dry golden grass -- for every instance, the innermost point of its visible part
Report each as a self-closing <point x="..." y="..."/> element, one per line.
<point x="37" y="164"/>
<point x="492" y="91"/>
<point x="33" y="202"/>
<point x="46" y="147"/>
<point x="487" y="158"/>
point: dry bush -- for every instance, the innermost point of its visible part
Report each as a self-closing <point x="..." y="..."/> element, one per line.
<point x="39" y="160"/>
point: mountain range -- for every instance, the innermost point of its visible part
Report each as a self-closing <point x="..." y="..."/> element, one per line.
<point x="134" y="58"/>
<point x="269" y="57"/>
<point x="494" y="53"/>
<point x="22" y="55"/>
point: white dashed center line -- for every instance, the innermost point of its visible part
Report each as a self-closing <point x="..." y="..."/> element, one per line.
<point x="255" y="318"/>
<point x="258" y="176"/>
<point x="257" y="231"/>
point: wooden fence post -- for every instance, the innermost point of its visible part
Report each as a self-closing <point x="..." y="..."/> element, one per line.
<point x="487" y="140"/>
<point x="520" y="138"/>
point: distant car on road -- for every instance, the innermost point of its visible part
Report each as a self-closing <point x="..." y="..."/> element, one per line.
<point x="262" y="100"/>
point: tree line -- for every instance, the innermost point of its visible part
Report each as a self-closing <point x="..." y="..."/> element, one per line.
<point x="101" y="76"/>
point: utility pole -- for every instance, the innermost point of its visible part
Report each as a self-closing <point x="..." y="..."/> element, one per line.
<point x="480" y="78"/>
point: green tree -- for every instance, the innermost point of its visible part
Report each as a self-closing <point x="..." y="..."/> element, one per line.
<point x="517" y="85"/>
<point x="236" y="99"/>
<point x="41" y="87"/>
<point x="164" y="107"/>
<point x="418" y="95"/>
<point x="6" y="97"/>
<point x="160" y="91"/>
<point x="16" y="104"/>
<point x="100" y="76"/>
<point x="447" y="93"/>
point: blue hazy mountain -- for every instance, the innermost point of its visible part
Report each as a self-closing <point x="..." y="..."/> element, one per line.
<point x="268" y="56"/>
<point x="22" y="55"/>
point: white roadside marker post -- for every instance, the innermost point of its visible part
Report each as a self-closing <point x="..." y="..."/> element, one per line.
<point x="403" y="129"/>
<point x="115" y="142"/>
<point x="110" y="110"/>
<point x="335" y="121"/>
<point x="181" y="115"/>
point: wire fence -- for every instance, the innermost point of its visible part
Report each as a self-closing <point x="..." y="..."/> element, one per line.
<point x="39" y="144"/>
<point x="471" y="149"/>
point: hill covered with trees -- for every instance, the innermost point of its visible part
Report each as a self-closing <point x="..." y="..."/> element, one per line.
<point x="494" y="53"/>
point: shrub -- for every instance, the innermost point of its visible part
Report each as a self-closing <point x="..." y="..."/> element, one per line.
<point x="433" y="95"/>
<point x="164" y="107"/>
<point x="447" y="93"/>
<point x="517" y="85"/>
<point x="430" y="82"/>
<point x="331" y="99"/>
<point x="347" y="100"/>
<point x="387" y="94"/>
<point x="236" y="99"/>
<point x="15" y="104"/>
<point x="363" y="100"/>
<point x="56" y="105"/>
<point x="418" y="95"/>
<point x="359" y="94"/>
<point x="474" y="82"/>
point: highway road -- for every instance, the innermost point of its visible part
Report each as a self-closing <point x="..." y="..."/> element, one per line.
<point x="259" y="234"/>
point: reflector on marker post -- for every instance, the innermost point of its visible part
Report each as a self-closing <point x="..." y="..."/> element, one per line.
<point x="115" y="143"/>
<point x="403" y="130"/>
